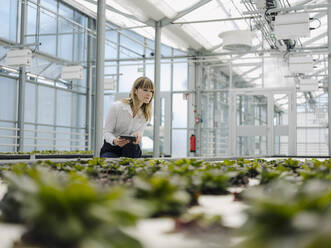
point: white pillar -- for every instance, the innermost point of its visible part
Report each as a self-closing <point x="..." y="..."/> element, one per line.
<point x="157" y="103"/>
<point x="99" y="95"/>
<point x="329" y="73"/>
<point x="21" y="86"/>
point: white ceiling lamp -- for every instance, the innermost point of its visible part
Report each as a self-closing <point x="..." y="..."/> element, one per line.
<point x="237" y="40"/>
<point x="308" y="84"/>
<point x="72" y="72"/>
<point x="17" y="57"/>
<point x="301" y="64"/>
<point x="292" y="26"/>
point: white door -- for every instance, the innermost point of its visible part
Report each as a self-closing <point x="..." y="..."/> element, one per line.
<point x="284" y="122"/>
<point x="264" y="122"/>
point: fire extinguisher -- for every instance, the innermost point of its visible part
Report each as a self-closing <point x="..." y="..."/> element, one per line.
<point x="192" y="143"/>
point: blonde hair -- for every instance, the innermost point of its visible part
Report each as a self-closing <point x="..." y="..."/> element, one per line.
<point x="143" y="83"/>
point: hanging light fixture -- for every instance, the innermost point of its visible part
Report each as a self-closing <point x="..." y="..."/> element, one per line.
<point x="237" y="40"/>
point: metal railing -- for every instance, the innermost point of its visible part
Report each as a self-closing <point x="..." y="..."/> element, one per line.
<point x="55" y="132"/>
<point x="36" y="138"/>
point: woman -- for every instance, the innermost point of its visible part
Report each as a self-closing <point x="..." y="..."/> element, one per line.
<point x="128" y="117"/>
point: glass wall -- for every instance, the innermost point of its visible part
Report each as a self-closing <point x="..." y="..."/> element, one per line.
<point x="8" y="103"/>
<point x="312" y="123"/>
<point x="54" y="109"/>
<point x="8" y="80"/>
<point x="214" y="118"/>
<point x="215" y="124"/>
<point x="8" y="19"/>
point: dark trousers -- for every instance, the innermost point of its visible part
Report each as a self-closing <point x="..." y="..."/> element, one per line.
<point x="130" y="150"/>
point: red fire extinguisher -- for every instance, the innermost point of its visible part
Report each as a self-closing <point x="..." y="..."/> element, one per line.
<point x="192" y="143"/>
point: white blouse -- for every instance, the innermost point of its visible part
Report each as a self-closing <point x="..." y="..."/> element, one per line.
<point x="120" y="121"/>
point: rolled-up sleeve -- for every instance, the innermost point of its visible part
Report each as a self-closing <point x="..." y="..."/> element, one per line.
<point x="108" y="131"/>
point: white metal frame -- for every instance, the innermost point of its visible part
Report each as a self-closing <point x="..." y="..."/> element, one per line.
<point x="269" y="130"/>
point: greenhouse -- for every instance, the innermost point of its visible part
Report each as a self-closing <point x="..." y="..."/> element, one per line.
<point x="163" y="123"/>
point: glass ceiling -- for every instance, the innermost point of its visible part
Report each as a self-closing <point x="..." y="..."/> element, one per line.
<point x="199" y="35"/>
<point x="195" y="30"/>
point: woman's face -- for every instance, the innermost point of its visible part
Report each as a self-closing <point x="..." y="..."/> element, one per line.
<point x="144" y="95"/>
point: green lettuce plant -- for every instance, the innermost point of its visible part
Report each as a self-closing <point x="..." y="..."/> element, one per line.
<point x="67" y="210"/>
<point x="165" y="195"/>
<point x="288" y="215"/>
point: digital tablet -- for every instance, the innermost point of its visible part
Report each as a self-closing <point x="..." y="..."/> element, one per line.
<point x="130" y="138"/>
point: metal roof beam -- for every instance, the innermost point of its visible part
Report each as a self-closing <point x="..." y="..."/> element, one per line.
<point x="75" y="24"/>
<point x="166" y="21"/>
<point x="319" y="15"/>
<point x="306" y="8"/>
<point x="76" y="5"/>
<point x="110" y="8"/>
<point x="250" y="70"/>
<point x="215" y="20"/>
<point x="51" y="58"/>
<point x="298" y="7"/>
<point x="90" y="31"/>
<point x="319" y="71"/>
<point x="45" y="68"/>
<point x="252" y="80"/>
<point x="127" y="28"/>
<point x="308" y="42"/>
<point x="302" y="3"/>
<point x="227" y="13"/>
<point x="310" y="50"/>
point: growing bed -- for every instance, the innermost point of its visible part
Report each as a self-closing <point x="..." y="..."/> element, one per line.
<point x="273" y="202"/>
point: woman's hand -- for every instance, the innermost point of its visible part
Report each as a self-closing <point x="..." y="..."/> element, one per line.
<point x="138" y="138"/>
<point x="120" y="142"/>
